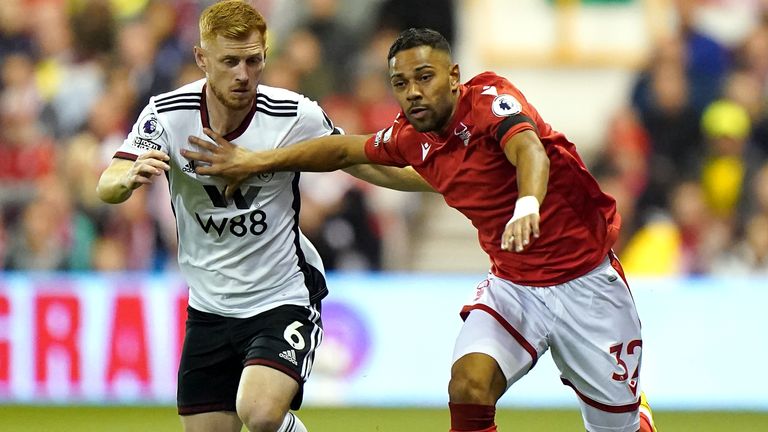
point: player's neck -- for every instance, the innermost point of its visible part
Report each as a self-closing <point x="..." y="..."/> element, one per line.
<point x="221" y="118"/>
<point x="447" y="128"/>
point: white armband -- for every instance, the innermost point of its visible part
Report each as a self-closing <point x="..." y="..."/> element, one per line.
<point x="525" y="206"/>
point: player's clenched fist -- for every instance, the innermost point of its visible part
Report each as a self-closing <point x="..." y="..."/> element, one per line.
<point x="145" y="168"/>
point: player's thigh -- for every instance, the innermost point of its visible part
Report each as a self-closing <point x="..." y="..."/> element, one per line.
<point x="209" y="368"/>
<point x="220" y="421"/>
<point x="597" y="345"/>
<point x="284" y="339"/>
<point x="507" y="322"/>
<point x="265" y="390"/>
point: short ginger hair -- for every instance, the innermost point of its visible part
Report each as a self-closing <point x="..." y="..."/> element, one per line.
<point x="232" y="19"/>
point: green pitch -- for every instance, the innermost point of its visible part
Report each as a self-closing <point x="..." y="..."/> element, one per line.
<point x="162" y="419"/>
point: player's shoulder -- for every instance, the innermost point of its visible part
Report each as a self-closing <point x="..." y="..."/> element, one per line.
<point x="279" y="102"/>
<point x="278" y="94"/>
<point x="488" y="82"/>
<point x="491" y="97"/>
<point x="185" y="98"/>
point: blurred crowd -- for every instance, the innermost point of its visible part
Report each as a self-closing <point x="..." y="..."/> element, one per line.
<point x="686" y="158"/>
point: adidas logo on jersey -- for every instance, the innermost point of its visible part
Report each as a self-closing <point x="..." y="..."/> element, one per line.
<point x="189" y="167"/>
<point x="289" y="355"/>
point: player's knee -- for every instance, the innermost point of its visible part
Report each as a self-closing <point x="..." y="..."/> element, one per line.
<point x="262" y="418"/>
<point x="467" y="388"/>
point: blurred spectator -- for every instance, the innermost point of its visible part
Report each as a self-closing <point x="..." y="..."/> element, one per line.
<point x="335" y="217"/>
<point x="683" y="242"/>
<point x="89" y="152"/>
<point x="750" y="255"/>
<point x="662" y="97"/>
<point x="188" y="72"/>
<point x="14" y="34"/>
<point x="729" y="159"/>
<point x="137" y="52"/>
<point x="108" y="255"/>
<point x="439" y="15"/>
<point x="75" y="229"/>
<point x="68" y="82"/>
<point x="28" y="153"/>
<point x="304" y="56"/>
<point x="707" y="61"/>
<point x="94" y="29"/>
<point x="36" y="243"/>
<point x="134" y="227"/>
<point x="282" y="73"/>
<point x="337" y="45"/>
<point x="161" y="17"/>
<point x="746" y="90"/>
<point x="755" y="200"/>
<point x="752" y="54"/>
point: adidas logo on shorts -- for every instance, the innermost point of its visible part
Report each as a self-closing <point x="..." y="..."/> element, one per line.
<point x="289" y="355"/>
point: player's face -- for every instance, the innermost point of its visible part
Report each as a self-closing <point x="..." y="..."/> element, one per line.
<point x="233" y="68"/>
<point x="426" y="86"/>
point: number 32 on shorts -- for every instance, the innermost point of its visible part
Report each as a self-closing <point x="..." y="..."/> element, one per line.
<point x="633" y="348"/>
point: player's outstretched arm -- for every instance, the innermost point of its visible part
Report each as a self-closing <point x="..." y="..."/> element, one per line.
<point x="402" y="179"/>
<point x="235" y="164"/>
<point x="122" y="176"/>
<point x="527" y="153"/>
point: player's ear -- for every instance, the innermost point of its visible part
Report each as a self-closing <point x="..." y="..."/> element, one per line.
<point x="200" y="58"/>
<point x="454" y="78"/>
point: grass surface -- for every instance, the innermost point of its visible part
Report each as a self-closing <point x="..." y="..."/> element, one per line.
<point x="162" y="419"/>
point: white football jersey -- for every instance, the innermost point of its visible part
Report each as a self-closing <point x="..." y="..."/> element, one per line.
<point x="243" y="257"/>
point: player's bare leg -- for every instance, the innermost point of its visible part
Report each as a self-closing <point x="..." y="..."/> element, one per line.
<point x="476" y="384"/>
<point x="219" y="421"/>
<point x="264" y="398"/>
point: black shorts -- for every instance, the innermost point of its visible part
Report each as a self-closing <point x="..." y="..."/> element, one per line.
<point x="216" y="349"/>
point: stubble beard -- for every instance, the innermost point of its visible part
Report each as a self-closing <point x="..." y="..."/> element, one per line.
<point x="232" y="104"/>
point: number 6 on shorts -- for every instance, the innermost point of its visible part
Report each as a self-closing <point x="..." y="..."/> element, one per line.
<point x="292" y="335"/>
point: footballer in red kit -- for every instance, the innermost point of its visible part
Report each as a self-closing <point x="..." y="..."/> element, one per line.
<point x="466" y="164"/>
<point x="554" y="284"/>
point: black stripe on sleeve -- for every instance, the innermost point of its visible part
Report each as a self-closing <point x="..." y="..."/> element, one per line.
<point x="179" y="107"/>
<point x="277" y="113"/>
<point x="277" y="101"/>
<point x="176" y="96"/>
<point x="276" y="106"/>
<point x="177" y="101"/>
<point x="511" y="121"/>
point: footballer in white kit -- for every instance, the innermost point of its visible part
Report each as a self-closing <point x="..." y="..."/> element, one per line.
<point x="241" y="258"/>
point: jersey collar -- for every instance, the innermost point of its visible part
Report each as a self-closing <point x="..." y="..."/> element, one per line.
<point x="238" y="130"/>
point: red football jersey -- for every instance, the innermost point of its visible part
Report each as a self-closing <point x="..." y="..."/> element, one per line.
<point x="579" y="222"/>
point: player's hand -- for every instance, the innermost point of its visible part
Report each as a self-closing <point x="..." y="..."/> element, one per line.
<point x="519" y="234"/>
<point x="523" y="228"/>
<point x="222" y="159"/>
<point x="145" y="168"/>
